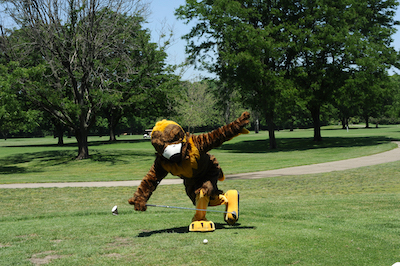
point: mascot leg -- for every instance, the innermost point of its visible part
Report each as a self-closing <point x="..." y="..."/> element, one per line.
<point x="232" y="207"/>
<point x="199" y="221"/>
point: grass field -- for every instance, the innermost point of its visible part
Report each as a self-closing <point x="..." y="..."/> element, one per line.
<point x="40" y="160"/>
<point x="338" y="218"/>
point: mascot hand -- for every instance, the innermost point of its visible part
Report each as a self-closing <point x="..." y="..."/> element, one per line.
<point x="243" y="120"/>
<point x="139" y="202"/>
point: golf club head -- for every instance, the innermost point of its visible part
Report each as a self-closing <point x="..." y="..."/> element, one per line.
<point x="115" y="210"/>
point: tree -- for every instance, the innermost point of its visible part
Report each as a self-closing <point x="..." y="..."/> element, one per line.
<point x="250" y="43"/>
<point x="335" y="37"/>
<point x="373" y="88"/>
<point x="394" y="105"/>
<point x="228" y="100"/>
<point x="315" y="44"/>
<point x="196" y="107"/>
<point x="145" y="88"/>
<point x="16" y="113"/>
<point x="74" y="38"/>
<point x="320" y="29"/>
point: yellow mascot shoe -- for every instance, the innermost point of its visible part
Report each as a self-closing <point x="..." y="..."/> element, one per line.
<point x="202" y="226"/>
<point x="199" y="221"/>
<point x="232" y="207"/>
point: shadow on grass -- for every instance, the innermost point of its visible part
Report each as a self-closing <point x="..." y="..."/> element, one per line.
<point x="11" y="170"/>
<point x="301" y="144"/>
<point x="92" y="143"/>
<point x="355" y="127"/>
<point x="121" y="156"/>
<point x="10" y="164"/>
<point x="185" y="229"/>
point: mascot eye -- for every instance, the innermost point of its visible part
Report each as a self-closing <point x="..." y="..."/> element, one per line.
<point x="176" y="138"/>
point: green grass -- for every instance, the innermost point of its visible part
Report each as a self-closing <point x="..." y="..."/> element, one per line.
<point x="339" y="218"/>
<point x="41" y="160"/>
<point x="346" y="218"/>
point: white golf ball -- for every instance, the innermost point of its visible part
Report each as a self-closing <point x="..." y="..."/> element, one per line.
<point x="205" y="241"/>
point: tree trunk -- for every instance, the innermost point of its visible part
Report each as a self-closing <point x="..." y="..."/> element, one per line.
<point x="60" y="140"/>
<point x="112" y="126"/>
<point x="344" y="120"/>
<point x="256" y="126"/>
<point x="59" y="128"/>
<point x="81" y="136"/>
<point x="315" y="113"/>
<point x="271" y="131"/>
<point x="227" y="113"/>
<point x="366" y="121"/>
<point x="112" y="135"/>
<point x="113" y="120"/>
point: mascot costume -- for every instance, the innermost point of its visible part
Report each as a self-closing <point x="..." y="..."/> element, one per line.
<point x="186" y="156"/>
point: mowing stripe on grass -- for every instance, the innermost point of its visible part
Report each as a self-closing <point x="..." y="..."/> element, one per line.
<point x="384" y="157"/>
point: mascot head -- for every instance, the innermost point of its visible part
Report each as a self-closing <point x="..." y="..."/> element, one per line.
<point x="169" y="139"/>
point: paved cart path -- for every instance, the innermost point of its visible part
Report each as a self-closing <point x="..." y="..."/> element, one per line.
<point x="384" y="157"/>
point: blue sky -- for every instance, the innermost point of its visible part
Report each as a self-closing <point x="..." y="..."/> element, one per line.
<point x="162" y="11"/>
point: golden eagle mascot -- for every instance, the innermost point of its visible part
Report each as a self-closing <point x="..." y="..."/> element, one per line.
<point x="187" y="156"/>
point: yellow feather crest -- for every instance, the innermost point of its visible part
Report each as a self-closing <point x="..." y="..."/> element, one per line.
<point x="161" y="125"/>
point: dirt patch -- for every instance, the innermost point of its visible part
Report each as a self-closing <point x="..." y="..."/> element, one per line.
<point x="26" y="236"/>
<point x="4" y="245"/>
<point x="44" y="257"/>
<point x="113" y="255"/>
<point x="121" y="242"/>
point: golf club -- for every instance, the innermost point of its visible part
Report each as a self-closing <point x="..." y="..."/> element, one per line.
<point x="192" y="209"/>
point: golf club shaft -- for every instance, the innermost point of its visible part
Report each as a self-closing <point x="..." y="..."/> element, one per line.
<point x="184" y="208"/>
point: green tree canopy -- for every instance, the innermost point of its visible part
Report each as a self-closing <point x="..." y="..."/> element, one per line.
<point x="251" y="49"/>
<point x="316" y="45"/>
<point x="93" y="55"/>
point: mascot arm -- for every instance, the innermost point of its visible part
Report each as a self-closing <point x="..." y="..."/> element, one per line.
<point x="215" y="138"/>
<point x="147" y="186"/>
